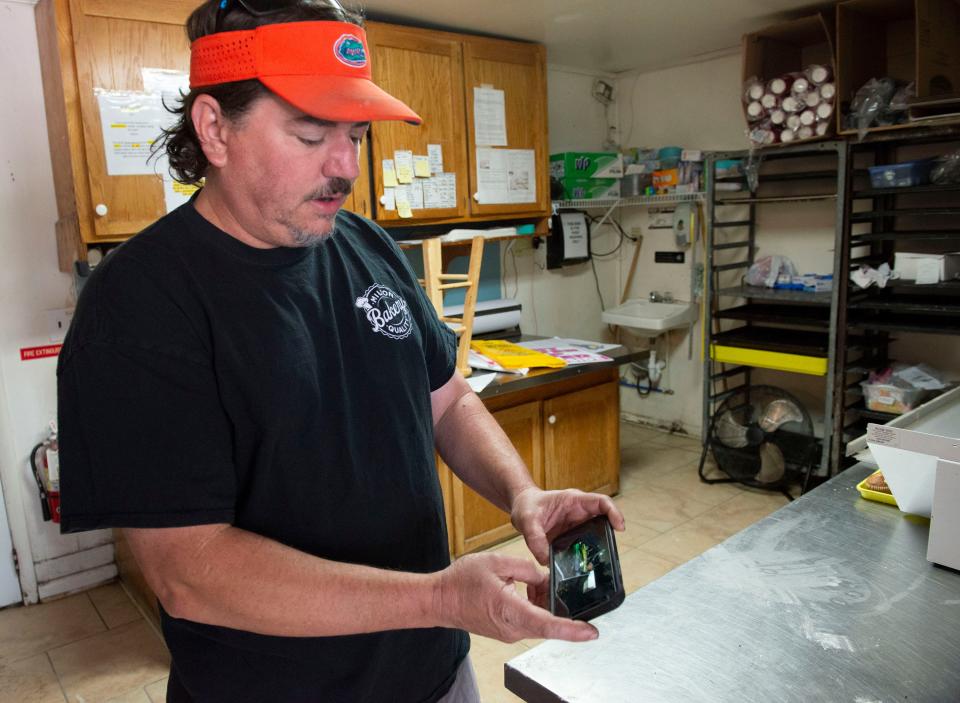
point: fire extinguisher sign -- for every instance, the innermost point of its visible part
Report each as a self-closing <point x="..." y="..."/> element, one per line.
<point x="31" y="353"/>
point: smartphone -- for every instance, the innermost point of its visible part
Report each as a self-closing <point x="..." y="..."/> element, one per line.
<point x="585" y="579"/>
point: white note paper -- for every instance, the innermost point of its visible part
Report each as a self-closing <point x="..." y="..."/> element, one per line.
<point x="440" y="191"/>
<point x="435" y="154"/>
<point x="404" y="164"/>
<point x="489" y="117"/>
<point x="387" y="200"/>
<point x="415" y="194"/>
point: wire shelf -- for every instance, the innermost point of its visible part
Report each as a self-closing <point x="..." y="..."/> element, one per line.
<point x="632" y="201"/>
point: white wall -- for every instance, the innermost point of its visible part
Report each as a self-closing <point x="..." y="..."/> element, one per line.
<point x="32" y="284"/>
<point x="564" y="302"/>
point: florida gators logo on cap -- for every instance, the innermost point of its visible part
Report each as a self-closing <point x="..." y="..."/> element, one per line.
<point x="349" y="50"/>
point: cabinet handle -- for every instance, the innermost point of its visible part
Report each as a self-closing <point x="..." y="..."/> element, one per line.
<point x="101" y="210"/>
<point x="552" y="419"/>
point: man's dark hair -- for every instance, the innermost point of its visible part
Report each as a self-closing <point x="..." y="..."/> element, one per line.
<point x="188" y="163"/>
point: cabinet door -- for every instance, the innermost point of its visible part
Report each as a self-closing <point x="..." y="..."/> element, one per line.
<point x="424" y="69"/>
<point x="582" y="439"/>
<point x="114" y="40"/>
<point x="359" y="199"/>
<point x="519" y="71"/>
<point x="477" y="523"/>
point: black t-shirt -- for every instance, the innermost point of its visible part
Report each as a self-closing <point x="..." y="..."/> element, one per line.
<point x="285" y="391"/>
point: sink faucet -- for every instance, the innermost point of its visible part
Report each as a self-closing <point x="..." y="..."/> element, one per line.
<point x="656" y="297"/>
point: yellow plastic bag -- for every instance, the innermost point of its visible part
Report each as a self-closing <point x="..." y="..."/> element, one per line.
<point x="513" y="356"/>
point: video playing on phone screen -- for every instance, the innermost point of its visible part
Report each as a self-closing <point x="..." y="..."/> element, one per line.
<point x="584" y="582"/>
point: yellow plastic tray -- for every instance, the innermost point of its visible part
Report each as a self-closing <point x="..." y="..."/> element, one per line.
<point x="874" y="495"/>
<point x="797" y="363"/>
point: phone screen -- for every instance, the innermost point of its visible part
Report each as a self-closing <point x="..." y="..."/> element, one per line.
<point x="585" y="576"/>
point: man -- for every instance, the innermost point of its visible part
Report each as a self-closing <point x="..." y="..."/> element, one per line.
<point x="252" y="389"/>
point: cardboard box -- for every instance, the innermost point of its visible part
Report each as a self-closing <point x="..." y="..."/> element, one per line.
<point x="927" y="268"/>
<point x="786" y="48"/>
<point x="586" y="164"/>
<point x="909" y="40"/>
<point x="590" y="188"/>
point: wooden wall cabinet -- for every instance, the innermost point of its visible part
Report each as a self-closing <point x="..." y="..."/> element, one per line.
<point x="436" y="73"/>
<point x="90" y="44"/>
<point x="568" y="434"/>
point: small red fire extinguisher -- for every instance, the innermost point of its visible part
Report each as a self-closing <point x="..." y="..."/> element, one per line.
<point x="45" y="461"/>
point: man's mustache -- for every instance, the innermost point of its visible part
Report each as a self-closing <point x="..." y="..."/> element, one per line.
<point x="333" y="188"/>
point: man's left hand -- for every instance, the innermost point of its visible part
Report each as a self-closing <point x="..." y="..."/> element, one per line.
<point x="540" y="515"/>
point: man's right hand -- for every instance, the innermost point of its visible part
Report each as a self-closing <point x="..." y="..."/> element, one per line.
<point x="477" y="593"/>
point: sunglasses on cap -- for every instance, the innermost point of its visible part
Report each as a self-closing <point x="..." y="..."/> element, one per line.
<point x="260" y="8"/>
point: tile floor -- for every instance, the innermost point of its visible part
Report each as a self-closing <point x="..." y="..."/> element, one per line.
<point x="96" y="647"/>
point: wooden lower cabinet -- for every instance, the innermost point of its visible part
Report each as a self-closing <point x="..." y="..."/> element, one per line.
<point x="568" y="434"/>
<point x="581" y="440"/>
<point x="476" y="521"/>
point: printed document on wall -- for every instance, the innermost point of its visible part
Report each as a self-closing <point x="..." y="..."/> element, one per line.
<point x="489" y="117"/>
<point x="130" y="122"/>
<point x="506" y="176"/>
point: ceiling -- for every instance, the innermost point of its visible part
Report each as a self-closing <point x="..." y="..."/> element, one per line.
<point x="608" y="36"/>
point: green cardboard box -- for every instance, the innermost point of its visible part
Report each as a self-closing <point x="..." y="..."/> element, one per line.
<point x="590" y="188"/>
<point x="586" y="164"/>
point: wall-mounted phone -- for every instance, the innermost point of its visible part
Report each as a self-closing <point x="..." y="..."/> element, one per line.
<point x="570" y="241"/>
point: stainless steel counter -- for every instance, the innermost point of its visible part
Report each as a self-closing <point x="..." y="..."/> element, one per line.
<point x="830" y="598"/>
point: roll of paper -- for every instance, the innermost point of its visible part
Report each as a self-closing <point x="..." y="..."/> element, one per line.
<point x="787" y="136"/>
<point x="805" y="133"/>
<point x="754" y="110"/>
<point x="824" y="111"/>
<point x="778" y="117"/>
<point x="812" y="98"/>
<point x="818" y="74"/>
<point x="778" y="86"/>
<point x="769" y="101"/>
<point x="807" y="118"/>
<point x="755" y="91"/>
<point x="800" y="86"/>
<point x="793" y="122"/>
<point x="792" y="104"/>
<point x="822" y="129"/>
<point x="828" y="91"/>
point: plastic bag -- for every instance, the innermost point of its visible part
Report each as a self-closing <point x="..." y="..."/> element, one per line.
<point x="947" y="169"/>
<point x="880" y="101"/>
<point x="767" y="270"/>
<point x="866" y="276"/>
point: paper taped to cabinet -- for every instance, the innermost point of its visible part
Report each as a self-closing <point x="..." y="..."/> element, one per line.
<point x="130" y="123"/>
<point x="506" y="176"/>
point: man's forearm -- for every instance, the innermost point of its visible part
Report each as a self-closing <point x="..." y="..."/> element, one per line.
<point x="244" y="581"/>
<point x="479" y="452"/>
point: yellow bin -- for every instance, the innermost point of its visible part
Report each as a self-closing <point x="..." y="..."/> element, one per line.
<point x="795" y="363"/>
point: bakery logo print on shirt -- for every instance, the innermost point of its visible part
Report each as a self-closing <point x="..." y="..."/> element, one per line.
<point x="386" y="311"/>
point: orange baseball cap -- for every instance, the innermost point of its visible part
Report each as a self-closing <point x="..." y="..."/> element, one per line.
<point x="321" y="68"/>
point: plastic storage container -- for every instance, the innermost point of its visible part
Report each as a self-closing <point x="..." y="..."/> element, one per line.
<point x="909" y="173"/>
<point x="895" y="400"/>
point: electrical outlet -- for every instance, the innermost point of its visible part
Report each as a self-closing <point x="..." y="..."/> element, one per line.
<point x="57" y="323"/>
